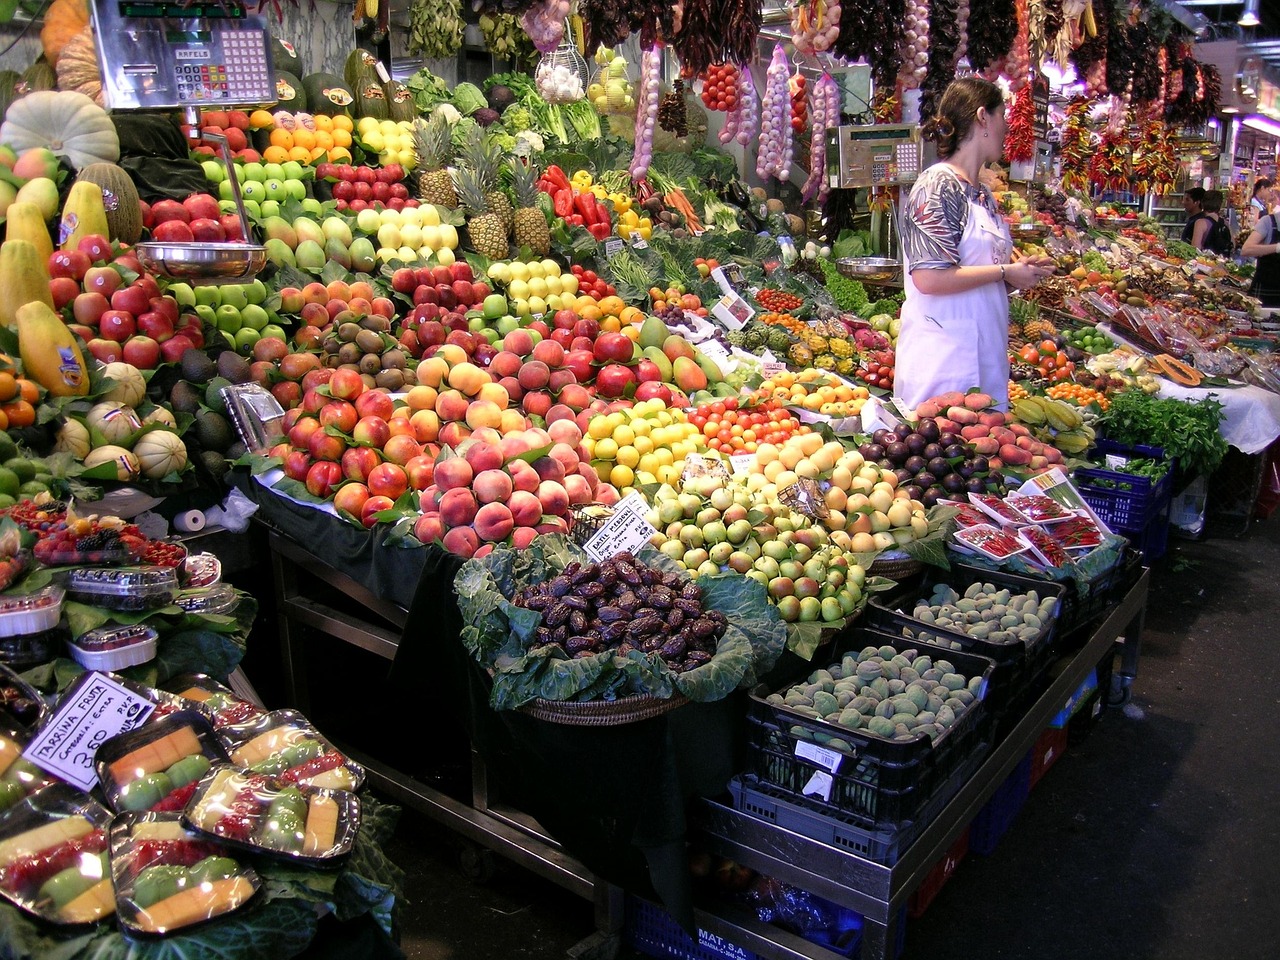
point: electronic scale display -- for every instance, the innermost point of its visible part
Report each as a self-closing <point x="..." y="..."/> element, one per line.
<point x="164" y="55"/>
<point x="879" y="155"/>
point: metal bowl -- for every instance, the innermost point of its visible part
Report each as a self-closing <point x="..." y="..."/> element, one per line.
<point x="203" y="262"/>
<point x="1029" y="231"/>
<point x="874" y="269"/>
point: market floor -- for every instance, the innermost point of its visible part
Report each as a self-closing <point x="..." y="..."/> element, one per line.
<point x="1155" y="837"/>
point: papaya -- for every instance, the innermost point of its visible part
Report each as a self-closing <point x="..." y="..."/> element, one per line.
<point x="50" y="354"/>
<point x="84" y="214"/>
<point x="24" y="279"/>
<point x="25" y="221"/>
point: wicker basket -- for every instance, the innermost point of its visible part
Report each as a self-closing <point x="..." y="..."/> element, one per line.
<point x="603" y="713"/>
<point x="896" y="568"/>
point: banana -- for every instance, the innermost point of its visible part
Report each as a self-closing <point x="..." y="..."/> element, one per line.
<point x="1030" y="411"/>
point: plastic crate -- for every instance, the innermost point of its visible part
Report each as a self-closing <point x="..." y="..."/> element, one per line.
<point x="822" y="822"/>
<point x="1091" y="710"/>
<point x="1018" y="666"/>
<point x="651" y="930"/>
<point x="1075" y="701"/>
<point x="877" y="781"/>
<point x="1047" y="751"/>
<point x="1078" y="612"/>
<point x="994" y="820"/>
<point x="938" y="876"/>
<point x="1141" y="512"/>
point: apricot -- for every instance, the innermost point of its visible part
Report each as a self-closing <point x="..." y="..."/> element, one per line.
<point x="468" y="378"/>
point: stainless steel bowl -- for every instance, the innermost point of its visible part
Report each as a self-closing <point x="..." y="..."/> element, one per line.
<point x="203" y="262"/>
<point x="874" y="269"/>
<point x="1029" y="231"/>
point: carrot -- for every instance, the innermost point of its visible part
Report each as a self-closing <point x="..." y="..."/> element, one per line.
<point x="676" y="199"/>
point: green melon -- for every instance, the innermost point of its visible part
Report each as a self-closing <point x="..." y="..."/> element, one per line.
<point x="400" y="105"/>
<point x="285" y="57"/>
<point x="327" y="94"/>
<point x="289" y="93"/>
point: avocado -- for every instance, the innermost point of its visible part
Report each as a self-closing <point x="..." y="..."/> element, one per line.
<point x="213" y="431"/>
<point x="215" y="463"/>
<point x="197" y="366"/>
<point x="184" y="398"/>
<point x="234" y="367"/>
<point x="213" y="395"/>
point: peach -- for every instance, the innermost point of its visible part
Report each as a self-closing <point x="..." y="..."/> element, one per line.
<point x="401" y="448"/>
<point x="512" y="420"/>
<point x="487" y="434"/>
<point x="468" y="378"/>
<point x="493" y="522"/>
<point x="559" y="412"/>
<point x="523" y="476"/>
<point x="452" y="405"/>
<point x="576" y="397"/>
<point x="358" y="462"/>
<point x="315" y="292"/>
<point x="432" y="371"/>
<point x="351" y="497"/>
<point x="482" y="455"/>
<point x="512" y="445"/>
<point x="483" y="413"/>
<point x="400" y="426"/>
<point x="548" y="352"/>
<point x="538" y="437"/>
<point x="338" y="290"/>
<point x="588" y="472"/>
<point x="554" y="498"/>
<point x="549" y="468"/>
<point x="458" y="507"/>
<point x="505" y="364"/>
<point x="495" y="393"/>
<point x="521" y="537"/>
<point x="426" y="425"/>
<point x="451" y="354"/>
<point x="567" y="455"/>
<point x="453" y="433"/>
<point x="421" y="397"/>
<point x="453" y="472"/>
<point x="519" y="342"/>
<point x="492" y="486"/>
<point x="536" y="403"/>
<point x="513" y="388"/>
<point x="564" y="430"/>
<point x="576" y="486"/>
<point x="462" y="541"/>
<point x="484" y="550"/>
<point x="560" y="379"/>
<point x="533" y="375"/>
<point x="607" y="494"/>
<point x="525" y="507"/>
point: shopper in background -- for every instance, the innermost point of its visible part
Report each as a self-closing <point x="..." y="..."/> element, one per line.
<point x="1193" y="204"/>
<point x="957" y="250"/>
<point x="1264" y="243"/>
<point x="1264" y="199"/>
<point x="1212" y="232"/>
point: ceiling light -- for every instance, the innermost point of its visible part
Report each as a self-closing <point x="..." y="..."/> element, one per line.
<point x="1263" y="125"/>
<point x="1249" y="15"/>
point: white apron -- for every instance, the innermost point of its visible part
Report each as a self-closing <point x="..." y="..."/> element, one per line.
<point x="957" y="341"/>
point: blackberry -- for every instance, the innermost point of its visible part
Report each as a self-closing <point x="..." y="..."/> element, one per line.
<point x="98" y="540"/>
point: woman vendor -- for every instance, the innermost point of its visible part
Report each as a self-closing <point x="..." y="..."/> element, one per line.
<point x="958" y="269"/>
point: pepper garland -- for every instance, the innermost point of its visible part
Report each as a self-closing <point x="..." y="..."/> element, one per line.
<point x="1155" y="162"/>
<point x="1077" y="145"/>
<point x="992" y="25"/>
<point x="944" y="39"/>
<point x="1019" y="138"/>
<point x="1176" y="52"/>
<point x="1147" y="79"/>
<point x="1122" y="54"/>
<point x="875" y="32"/>
<point x="1109" y="166"/>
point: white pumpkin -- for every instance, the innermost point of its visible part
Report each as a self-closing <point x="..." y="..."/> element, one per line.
<point x="68" y="123"/>
<point x="113" y="420"/>
<point x="160" y="453"/>
<point x="126" y="463"/>
<point x="73" y="438"/>
<point x="130" y="388"/>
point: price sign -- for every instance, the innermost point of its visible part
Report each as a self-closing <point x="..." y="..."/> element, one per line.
<point x="637" y="241"/>
<point x="742" y="463"/>
<point x="770" y="367"/>
<point x="94" y="710"/>
<point x="626" y="530"/>
<point x="696" y="465"/>
<point x="612" y="246"/>
<point x="715" y="350"/>
<point x="823" y="757"/>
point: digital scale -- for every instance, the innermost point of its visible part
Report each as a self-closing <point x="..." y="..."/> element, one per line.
<point x="164" y="56"/>
<point x="878" y="155"/>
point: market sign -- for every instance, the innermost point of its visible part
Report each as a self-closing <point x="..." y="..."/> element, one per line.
<point x="1040" y="101"/>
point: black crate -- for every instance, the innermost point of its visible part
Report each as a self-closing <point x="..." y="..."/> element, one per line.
<point x="877" y="781"/>
<point x="1018" y="666"/>
<point x="1092" y="709"/>
<point x="1078" y="612"/>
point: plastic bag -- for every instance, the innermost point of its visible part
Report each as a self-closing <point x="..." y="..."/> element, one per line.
<point x="234" y="513"/>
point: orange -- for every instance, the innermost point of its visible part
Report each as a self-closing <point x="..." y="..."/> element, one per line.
<point x="30" y="390"/>
<point x="261" y="119"/>
<point x="323" y="122"/>
<point x="317" y="153"/>
<point x="341" y="138"/>
<point x="612" y="305"/>
<point x="4" y="420"/>
<point x="274" y="154"/>
<point x="343" y="123"/>
<point x="631" y="315"/>
<point x="324" y="139"/>
<point x="281" y="138"/>
<point x="8" y="387"/>
<point x="302" y="137"/>
<point x="590" y="312"/>
<point x="20" y="413"/>
<point x="610" y="325"/>
<point x="339" y="153"/>
<point x="301" y="154"/>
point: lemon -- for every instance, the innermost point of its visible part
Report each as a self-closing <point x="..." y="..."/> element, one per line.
<point x="622" y="476"/>
<point x="598" y="428"/>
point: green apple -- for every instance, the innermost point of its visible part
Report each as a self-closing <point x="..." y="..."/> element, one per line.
<point x="228" y="318"/>
<point x="207" y="314"/>
<point x="255" y="291"/>
<point x="246" y="338"/>
<point x="475" y="323"/>
<point x="209" y="294"/>
<point x="253" y="171"/>
<point x="184" y="293"/>
<point x="228" y="338"/>
<point x="214" y="172"/>
<point x="253" y="191"/>
<point x="224" y="192"/>
<point x="269" y="208"/>
<point x="252" y="315"/>
<point x="312" y="206"/>
<point x="234" y="294"/>
<point x="275" y="190"/>
<point x="293" y="170"/>
<point x="491" y="334"/>
<point x="495" y="306"/>
<point x="274" y="330"/>
<point x="296" y="189"/>
<point x="506" y="324"/>
<point x="273" y="171"/>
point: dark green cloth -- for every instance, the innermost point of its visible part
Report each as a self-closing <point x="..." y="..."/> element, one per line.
<point x="156" y="155"/>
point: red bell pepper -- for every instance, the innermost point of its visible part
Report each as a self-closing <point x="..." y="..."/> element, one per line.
<point x="546" y="186"/>
<point x="557" y="177"/>
<point x="602" y="212"/>
<point x="585" y="204"/>
<point x="562" y="200"/>
<point x="574" y="220"/>
<point x="600" y="231"/>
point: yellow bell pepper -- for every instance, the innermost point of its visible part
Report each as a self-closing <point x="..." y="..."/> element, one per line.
<point x="600" y="192"/>
<point x="581" y="179"/>
<point x="621" y="202"/>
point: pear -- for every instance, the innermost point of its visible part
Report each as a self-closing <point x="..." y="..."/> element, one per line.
<point x="309" y="255"/>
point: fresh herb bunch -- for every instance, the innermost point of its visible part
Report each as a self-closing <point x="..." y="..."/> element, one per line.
<point x="849" y="294"/>
<point x="1188" y="431"/>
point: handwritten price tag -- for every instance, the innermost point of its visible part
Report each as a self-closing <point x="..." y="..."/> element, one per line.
<point x="742" y="462"/>
<point x="612" y="246"/>
<point x="93" y="711"/>
<point x="770" y="367"/>
<point x="715" y="350"/>
<point x="626" y="530"/>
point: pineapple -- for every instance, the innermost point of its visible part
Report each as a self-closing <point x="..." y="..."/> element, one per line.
<point x="530" y="223"/>
<point x="484" y="157"/>
<point x="435" y="151"/>
<point x="488" y="236"/>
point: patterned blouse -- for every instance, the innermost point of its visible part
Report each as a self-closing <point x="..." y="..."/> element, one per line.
<point x="935" y="217"/>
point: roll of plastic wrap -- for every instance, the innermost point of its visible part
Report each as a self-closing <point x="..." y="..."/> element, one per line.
<point x="189" y="521"/>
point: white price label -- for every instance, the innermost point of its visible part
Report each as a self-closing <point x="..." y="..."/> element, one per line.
<point x="819" y="785"/>
<point x="626" y="530"/>
<point x="93" y="711"/>
<point x="732" y="311"/>
<point x="742" y="462"/>
<point x="612" y="246"/>
<point x="830" y="759"/>
<point x="637" y="241"/>
<point x="770" y="367"/>
<point x="715" y="350"/>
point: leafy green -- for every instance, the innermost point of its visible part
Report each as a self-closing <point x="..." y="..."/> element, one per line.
<point x="852" y="243"/>
<point x="583" y="119"/>
<point x="850" y="295"/>
<point x="1191" y="432"/>
<point x="428" y="90"/>
<point x="500" y="635"/>
<point x="468" y="99"/>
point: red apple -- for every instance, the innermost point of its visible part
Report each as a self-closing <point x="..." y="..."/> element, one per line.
<point x="132" y="299"/>
<point x="173" y="348"/>
<point x="155" y="325"/>
<point x="69" y="263"/>
<point x="117" y="325"/>
<point x="142" y="352"/>
<point x="201" y="206"/>
<point x="207" y="230"/>
<point x="164" y="211"/>
<point x="84" y="333"/>
<point x="166" y="306"/>
<point x="96" y="247"/>
<point x="105" y="351"/>
<point x="88" y="307"/>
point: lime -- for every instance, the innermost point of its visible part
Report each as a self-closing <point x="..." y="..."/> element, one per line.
<point x="24" y="468"/>
<point x="5" y="502"/>
<point x="8" y="449"/>
<point x="32" y="487"/>
<point x="9" y="482"/>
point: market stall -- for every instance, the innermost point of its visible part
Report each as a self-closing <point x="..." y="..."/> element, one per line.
<point x="561" y="396"/>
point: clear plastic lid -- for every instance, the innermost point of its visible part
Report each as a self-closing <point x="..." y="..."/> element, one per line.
<point x="123" y="588"/>
<point x="284" y="744"/>
<point x="112" y="638"/>
<point x="220" y="598"/>
<point x="157" y="766"/>
<point x="30" y="612"/>
<point x="218" y="702"/>
<point x="19" y="777"/>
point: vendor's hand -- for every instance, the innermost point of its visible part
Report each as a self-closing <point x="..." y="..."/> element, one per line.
<point x="1029" y="271"/>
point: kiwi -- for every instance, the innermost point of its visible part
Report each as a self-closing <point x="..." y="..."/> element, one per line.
<point x="184" y="398"/>
<point x="197" y="366"/>
<point x="370" y="341"/>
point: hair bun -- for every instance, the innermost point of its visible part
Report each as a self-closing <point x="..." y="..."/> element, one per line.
<point x="938" y="129"/>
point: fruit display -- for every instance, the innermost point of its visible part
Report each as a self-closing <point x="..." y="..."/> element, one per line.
<point x="284" y="745"/>
<point x="19" y="777"/>
<point x="1011" y="441"/>
<point x="157" y="767"/>
<point x="167" y="877"/>
<point x="221" y="704"/>
<point x="53" y="859"/>
<point x="814" y="391"/>
<point x="645" y="443"/>
<point x="985" y="612"/>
